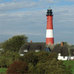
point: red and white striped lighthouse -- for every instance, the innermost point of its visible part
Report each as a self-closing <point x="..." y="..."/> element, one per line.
<point x="49" y="31"/>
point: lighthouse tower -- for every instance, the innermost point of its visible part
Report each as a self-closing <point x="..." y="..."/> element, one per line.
<point x="49" y="30"/>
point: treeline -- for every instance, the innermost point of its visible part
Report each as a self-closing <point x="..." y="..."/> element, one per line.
<point x="38" y="63"/>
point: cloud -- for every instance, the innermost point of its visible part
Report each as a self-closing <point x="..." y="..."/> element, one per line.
<point x="1" y="0"/>
<point x="26" y="16"/>
<point x="65" y="12"/>
<point x="64" y="23"/>
<point x="50" y="1"/>
<point x="21" y="33"/>
<point x="30" y="23"/>
<point x="70" y="0"/>
<point x="16" y="5"/>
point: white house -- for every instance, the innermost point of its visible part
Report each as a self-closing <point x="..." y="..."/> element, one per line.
<point x="65" y="57"/>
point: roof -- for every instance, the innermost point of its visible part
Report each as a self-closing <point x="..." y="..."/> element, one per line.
<point x="33" y="47"/>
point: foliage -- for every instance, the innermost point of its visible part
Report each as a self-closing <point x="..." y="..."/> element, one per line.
<point x="48" y="64"/>
<point x="31" y="58"/>
<point x="43" y="56"/>
<point x="7" y="58"/>
<point x="18" y="67"/>
<point x="37" y="63"/>
<point x="45" y="63"/>
<point x="14" y="43"/>
<point x="52" y="56"/>
<point x="53" y="67"/>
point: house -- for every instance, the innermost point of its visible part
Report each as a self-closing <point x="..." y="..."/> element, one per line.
<point x="35" y="47"/>
<point x="65" y="57"/>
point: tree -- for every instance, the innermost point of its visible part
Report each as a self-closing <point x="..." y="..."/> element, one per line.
<point x="14" y="43"/>
<point x="38" y="63"/>
<point x="43" y="56"/>
<point x="51" y="67"/>
<point x="18" y="67"/>
<point x="8" y="58"/>
<point x="47" y="63"/>
<point x="31" y="58"/>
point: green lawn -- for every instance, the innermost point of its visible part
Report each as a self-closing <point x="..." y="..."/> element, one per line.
<point x="3" y="70"/>
<point x="70" y="63"/>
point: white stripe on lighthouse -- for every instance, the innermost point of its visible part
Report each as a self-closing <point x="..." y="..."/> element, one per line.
<point x="49" y="33"/>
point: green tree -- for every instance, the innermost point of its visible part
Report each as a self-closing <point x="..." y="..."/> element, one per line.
<point x="31" y="58"/>
<point x="42" y="56"/>
<point x="47" y="63"/>
<point x="8" y="58"/>
<point x="14" y="43"/>
<point x="51" y="67"/>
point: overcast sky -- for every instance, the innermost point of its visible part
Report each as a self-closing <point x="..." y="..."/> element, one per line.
<point x="28" y="17"/>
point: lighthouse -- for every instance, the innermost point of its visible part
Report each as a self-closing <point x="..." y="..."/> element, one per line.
<point x="49" y="28"/>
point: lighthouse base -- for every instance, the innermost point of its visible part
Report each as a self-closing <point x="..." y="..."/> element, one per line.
<point x="49" y="41"/>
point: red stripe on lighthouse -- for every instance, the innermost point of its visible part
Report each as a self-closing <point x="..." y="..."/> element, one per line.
<point x="49" y="41"/>
<point x="49" y="22"/>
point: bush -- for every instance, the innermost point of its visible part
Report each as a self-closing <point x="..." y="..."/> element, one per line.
<point x="8" y="58"/>
<point x="18" y="67"/>
<point x="31" y="58"/>
<point x="14" y="43"/>
<point x="47" y="63"/>
<point x="43" y="56"/>
<point x="53" y="67"/>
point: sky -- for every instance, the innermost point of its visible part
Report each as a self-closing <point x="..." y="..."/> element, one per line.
<point x="28" y="17"/>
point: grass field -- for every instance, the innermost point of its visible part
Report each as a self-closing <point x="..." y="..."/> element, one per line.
<point x="3" y="70"/>
<point x="70" y="63"/>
